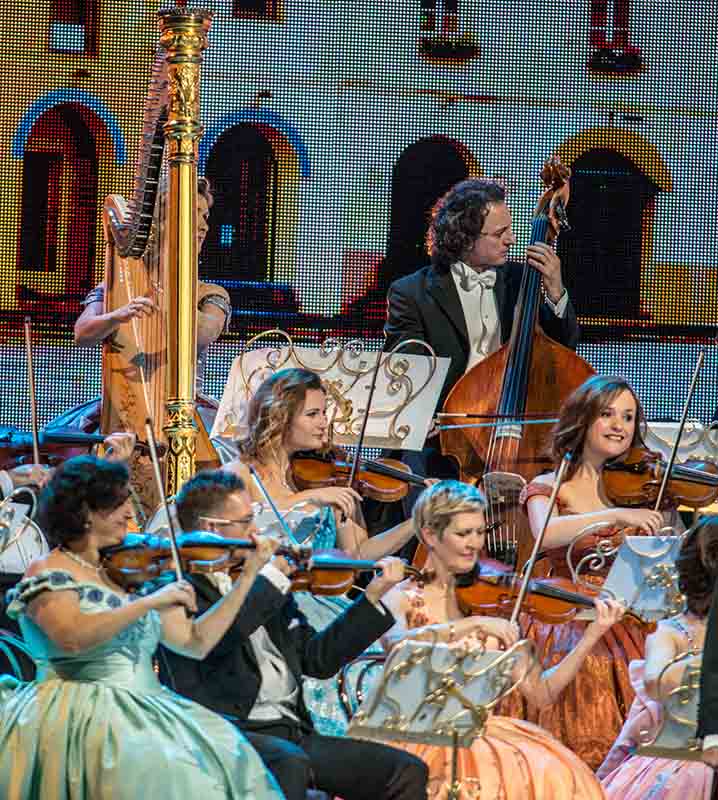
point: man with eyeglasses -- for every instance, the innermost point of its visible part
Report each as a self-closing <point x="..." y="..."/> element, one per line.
<point x="254" y="674"/>
<point x="463" y="303"/>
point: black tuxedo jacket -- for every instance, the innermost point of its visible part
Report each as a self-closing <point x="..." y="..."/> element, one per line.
<point x="426" y="305"/>
<point x="228" y="680"/>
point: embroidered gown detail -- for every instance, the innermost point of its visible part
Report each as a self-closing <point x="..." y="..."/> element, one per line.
<point x="101" y="718"/>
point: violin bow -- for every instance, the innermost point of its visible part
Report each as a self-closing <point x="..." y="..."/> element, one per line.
<point x="31" y="387"/>
<point x="152" y="444"/>
<point x="679" y="434"/>
<point x="280" y="519"/>
<point x="538" y="541"/>
<point x="365" y="421"/>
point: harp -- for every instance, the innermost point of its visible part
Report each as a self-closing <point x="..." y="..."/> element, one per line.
<point x="149" y="364"/>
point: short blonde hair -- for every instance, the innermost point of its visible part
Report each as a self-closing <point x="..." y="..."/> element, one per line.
<point x="439" y="503"/>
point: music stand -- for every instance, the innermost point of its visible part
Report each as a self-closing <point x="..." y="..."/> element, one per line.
<point x="430" y="693"/>
<point x="642" y="576"/>
<point x="676" y="736"/>
<point x="407" y="388"/>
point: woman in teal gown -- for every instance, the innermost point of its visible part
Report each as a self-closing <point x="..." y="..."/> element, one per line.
<point x="288" y="415"/>
<point x="96" y="722"/>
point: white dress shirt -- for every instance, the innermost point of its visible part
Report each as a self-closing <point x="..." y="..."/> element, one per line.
<point x="481" y="312"/>
<point x="278" y="689"/>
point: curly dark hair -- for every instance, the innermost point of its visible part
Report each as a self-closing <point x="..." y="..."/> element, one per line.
<point x="581" y="409"/>
<point x="272" y="409"/>
<point x="697" y="565"/>
<point x="80" y="485"/>
<point x="458" y="218"/>
<point x="204" y="495"/>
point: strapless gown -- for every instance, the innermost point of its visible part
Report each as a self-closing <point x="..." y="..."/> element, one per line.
<point x="98" y="725"/>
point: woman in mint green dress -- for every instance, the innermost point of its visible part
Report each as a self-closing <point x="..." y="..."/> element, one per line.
<point x="96" y="724"/>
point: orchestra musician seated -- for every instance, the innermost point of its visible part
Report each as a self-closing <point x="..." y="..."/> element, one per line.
<point x="254" y="675"/>
<point x="288" y="414"/>
<point x="513" y="759"/>
<point x="624" y="774"/>
<point x="96" y="715"/>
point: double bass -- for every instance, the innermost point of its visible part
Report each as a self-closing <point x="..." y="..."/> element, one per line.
<point x="523" y="383"/>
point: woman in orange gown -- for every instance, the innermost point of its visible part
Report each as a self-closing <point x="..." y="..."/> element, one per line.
<point x="601" y="420"/>
<point x="512" y="759"/>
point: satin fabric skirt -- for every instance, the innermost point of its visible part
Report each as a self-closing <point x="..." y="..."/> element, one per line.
<point x="513" y="760"/>
<point x="89" y="740"/>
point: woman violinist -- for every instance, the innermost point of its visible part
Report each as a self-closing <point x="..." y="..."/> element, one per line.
<point x="624" y="775"/>
<point x="513" y="759"/>
<point x="600" y="421"/>
<point x="287" y="414"/>
<point x="96" y="721"/>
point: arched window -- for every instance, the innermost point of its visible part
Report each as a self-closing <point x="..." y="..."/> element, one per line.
<point x="424" y="171"/>
<point x="243" y="171"/>
<point x="59" y="207"/>
<point x="611" y="50"/>
<point x="611" y="213"/>
<point x="73" y="26"/>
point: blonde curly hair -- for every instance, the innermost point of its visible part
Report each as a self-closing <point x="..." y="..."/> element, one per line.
<point x="272" y="409"/>
<point x="436" y="505"/>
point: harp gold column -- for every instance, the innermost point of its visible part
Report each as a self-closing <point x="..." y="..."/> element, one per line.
<point x="183" y="35"/>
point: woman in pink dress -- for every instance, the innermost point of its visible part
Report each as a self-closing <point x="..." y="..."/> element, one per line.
<point x="624" y="775"/>
<point x="513" y="759"/>
<point x="600" y="421"/>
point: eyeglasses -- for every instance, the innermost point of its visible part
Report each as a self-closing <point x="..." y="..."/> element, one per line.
<point x="222" y="521"/>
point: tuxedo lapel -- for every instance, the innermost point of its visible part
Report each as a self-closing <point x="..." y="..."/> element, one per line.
<point x="443" y="289"/>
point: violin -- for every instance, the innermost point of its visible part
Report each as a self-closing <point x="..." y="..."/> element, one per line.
<point x="635" y="479"/>
<point x="143" y="558"/>
<point x="491" y="591"/>
<point x="385" y="479"/>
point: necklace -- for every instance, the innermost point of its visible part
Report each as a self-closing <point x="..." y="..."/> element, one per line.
<point x="81" y="561"/>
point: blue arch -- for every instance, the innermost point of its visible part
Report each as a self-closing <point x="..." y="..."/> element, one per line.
<point x="51" y="99"/>
<point x="271" y="118"/>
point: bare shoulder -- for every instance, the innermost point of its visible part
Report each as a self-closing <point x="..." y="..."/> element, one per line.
<point x="53" y="560"/>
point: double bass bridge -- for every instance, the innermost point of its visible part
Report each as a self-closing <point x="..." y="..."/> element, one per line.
<point x="502" y="491"/>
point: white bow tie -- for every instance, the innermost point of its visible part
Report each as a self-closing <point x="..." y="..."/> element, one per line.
<point x="470" y="279"/>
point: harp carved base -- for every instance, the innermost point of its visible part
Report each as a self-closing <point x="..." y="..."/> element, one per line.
<point x="181" y="432"/>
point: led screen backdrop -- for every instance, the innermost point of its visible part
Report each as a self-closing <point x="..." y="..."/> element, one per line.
<point x="330" y="129"/>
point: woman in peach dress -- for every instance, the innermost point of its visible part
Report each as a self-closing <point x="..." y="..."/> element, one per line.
<point x="600" y="421"/>
<point x="512" y="759"/>
<point x="624" y="775"/>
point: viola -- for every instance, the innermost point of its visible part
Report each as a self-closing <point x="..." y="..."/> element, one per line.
<point x="635" y="479"/>
<point x="492" y="591"/>
<point x="143" y="558"/>
<point x="385" y="479"/>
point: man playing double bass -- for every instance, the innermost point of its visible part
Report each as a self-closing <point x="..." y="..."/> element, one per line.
<point x="463" y="303"/>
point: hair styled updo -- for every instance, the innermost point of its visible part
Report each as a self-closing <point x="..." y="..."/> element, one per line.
<point x="80" y="485"/>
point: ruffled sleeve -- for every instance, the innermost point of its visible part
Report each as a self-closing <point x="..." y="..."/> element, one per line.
<point x="534" y="489"/>
<point x="55" y="580"/>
